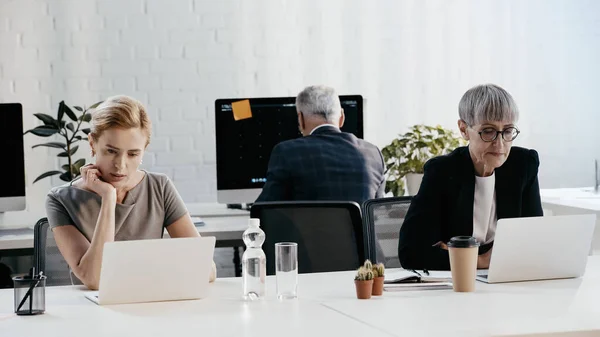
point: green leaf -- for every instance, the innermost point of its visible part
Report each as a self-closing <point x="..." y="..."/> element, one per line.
<point x="86" y="117"/>
<point x="74" y="149"/>
<point x="52" y="144"/>
<point x="65" y="167"/>
<point x="47" y="119"/>
<point x="61" y="110"/>
<point x="47" y="174"/>
<point x="95" y="105"/>
<point x="71" y="127"/>
<point x="43" y="131"/>
<point x="86" y="131"/>
<point x="78" y="164"/>
<point x="78" y="108"/>
<point x="63" y="154"/>
<point x="66" y="176"/>
<point x="70" y="113"/>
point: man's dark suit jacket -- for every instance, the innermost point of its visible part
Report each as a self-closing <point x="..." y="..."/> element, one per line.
<point x="327" y="165"/>
<point x="443" y="207"/>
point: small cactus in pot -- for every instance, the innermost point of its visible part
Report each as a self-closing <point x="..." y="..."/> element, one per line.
<point x="364" y="283"/>
<point x="378" y="278"/>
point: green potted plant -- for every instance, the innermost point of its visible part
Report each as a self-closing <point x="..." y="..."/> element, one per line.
<point x="407" y="154"/>
<point x="71" y="133"/>
<point x="378" y="278"/>
<point x="363" y="281"/>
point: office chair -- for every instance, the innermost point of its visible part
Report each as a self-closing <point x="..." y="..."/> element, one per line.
<point x="47" y="257"/>
<point x="383" y="219"/>
<point x="329" y="233"/>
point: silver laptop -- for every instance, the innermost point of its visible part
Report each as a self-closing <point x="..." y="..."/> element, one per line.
<point x="540" y="248"/>
<point x="154" y="270"/>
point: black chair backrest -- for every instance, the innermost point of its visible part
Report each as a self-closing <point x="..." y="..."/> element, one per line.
<point x="329" y="233"/>
<point x="40" y="232"/>
<point x="47" y="257"/>
<point x="383" y="219"/>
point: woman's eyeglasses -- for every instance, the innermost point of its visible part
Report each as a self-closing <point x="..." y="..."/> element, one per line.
<point x="491" y="134"/>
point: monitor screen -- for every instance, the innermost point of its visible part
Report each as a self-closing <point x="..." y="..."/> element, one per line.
<point x="246" y="134"/>
<point x="12" y="189"/>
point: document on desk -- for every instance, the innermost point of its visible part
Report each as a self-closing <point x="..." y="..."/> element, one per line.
<point x="417" y="276"/>
<point x="415" y="286"/>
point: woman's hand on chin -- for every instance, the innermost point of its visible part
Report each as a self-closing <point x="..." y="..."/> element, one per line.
<point x="92" y="180"/>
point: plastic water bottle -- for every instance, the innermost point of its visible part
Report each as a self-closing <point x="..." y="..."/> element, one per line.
<point x="254" y="262"/>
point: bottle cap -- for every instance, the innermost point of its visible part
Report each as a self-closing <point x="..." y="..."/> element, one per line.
<point x="254" y="222"/>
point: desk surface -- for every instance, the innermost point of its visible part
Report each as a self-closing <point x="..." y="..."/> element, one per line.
<point x="326" y="306"/>
<point x="567" y="201"/>
<point x="580" y="198"/>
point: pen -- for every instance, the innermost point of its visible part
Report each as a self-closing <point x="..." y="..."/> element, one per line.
<point x="416" y="272"/>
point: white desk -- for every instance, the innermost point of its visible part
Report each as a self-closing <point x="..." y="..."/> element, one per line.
<point x="566" y="201"/>
<point x="326" y="306"/>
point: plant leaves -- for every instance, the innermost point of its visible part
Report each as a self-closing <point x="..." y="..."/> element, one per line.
<point x="74" y="149"/>
<point x="65" y="167"/>
<point x="78" y="164"/>
<point x="63" y="154"/>
<point x="43" y="131"/>
<point x="47" y="119"/>
<point x="86" y="117"/>
<point x="95" y="105"/>
<point x="71" y="127"/>
<point x="78" y="108"/>
<point x="61" y="110"/>
<point x="70" y="113"/>
<point x="86" y="131"/>
<point x="408" y="153"/>
<point x="47" y="174"/>
<point x="52" y="144"/>
<point x="66" y="176"/>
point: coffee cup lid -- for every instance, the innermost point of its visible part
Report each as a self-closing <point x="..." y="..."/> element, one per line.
<point x="463" y="242"/>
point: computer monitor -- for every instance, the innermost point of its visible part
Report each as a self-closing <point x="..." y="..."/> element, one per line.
<point x="244" y="145"/>
<point x="12" y="171"/>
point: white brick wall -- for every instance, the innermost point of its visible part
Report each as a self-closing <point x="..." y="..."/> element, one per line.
<point x="412" y="60"/>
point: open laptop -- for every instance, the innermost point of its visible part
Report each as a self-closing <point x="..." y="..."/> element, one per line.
<point x="154" y="270"/>
<point x="540" y="248"/>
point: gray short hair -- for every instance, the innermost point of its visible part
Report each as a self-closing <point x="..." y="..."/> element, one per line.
<point x="487" y="102"/>
<point x="319" y="100"/>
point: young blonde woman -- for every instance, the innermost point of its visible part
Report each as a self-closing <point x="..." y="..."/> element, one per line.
<point x="114" y="200"/>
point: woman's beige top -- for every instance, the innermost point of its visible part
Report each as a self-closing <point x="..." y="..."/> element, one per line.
<point x="150" y="206"/>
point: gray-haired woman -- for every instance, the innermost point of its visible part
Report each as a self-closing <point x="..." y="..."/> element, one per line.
<point x="468" y="190"/>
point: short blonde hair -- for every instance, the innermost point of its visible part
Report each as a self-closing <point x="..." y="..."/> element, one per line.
<point x="120" y="112"/>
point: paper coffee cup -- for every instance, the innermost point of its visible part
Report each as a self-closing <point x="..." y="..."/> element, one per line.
<point x="463" y="262"/>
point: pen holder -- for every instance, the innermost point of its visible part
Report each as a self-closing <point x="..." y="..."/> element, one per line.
<point x="30" y="294"/>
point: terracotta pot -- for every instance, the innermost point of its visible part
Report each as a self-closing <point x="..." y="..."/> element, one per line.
<point x="378" y="286"/>
<point x="363" y="289"/>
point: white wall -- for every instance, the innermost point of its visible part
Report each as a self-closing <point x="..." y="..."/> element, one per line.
<point x="412" y="60"/>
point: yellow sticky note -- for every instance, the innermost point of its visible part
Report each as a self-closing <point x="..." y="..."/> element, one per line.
<point x="241" y="110"/>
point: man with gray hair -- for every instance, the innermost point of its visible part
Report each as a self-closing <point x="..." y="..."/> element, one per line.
<point x="325" y="164"/>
